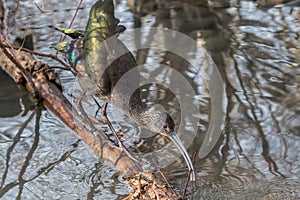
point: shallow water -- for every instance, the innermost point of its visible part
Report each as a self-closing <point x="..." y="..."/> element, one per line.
<point x="250" y="130"/>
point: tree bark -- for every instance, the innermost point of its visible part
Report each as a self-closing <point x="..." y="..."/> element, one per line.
<point x="144" y="185"/>
<point x="43" y="78"/>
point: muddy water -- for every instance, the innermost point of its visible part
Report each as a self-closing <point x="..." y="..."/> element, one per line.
<point x="254" y="147"/>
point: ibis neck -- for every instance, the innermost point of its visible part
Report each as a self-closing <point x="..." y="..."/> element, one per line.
<point x="137" y="109"/>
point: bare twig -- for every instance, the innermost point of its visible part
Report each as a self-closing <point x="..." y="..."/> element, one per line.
<point x="54" y="57"/>
<point x="76" y="11"/>
<point x="165" y="179"/>
<point x="97" y="121"/>
<point x="72" y="20"/>
<point x="10" y="54"/>
<point x="43" y="6"/>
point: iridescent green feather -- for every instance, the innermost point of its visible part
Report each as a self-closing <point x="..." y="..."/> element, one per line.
<point x="73" y="33"/>
<point x="106" y="58"/>
<point x="72" y="51"/>
<point x="60" y="46"/>
<point x="101" y="25"/>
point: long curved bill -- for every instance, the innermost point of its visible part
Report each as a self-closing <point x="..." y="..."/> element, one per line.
<point x="175" y="139"/>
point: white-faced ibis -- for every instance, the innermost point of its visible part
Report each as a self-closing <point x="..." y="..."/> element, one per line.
<point x="106" y="74"/>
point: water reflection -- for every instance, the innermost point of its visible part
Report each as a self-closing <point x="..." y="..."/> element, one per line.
<point x="13" y="99"/>
<point x="256" y="52"/>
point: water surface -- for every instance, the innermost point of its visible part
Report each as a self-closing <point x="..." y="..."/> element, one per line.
<point x="255" y="49"/>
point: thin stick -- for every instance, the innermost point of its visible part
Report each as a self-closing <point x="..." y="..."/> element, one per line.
<point x="54" y="57"/>
<point x="97" y="121"/>
<point x="76" y="11"/>
<point x="140" y="186"/>
<point x="12" y="57"/>
<point x="165" y="179"/>
<point x="43" y="6"/>
<point x="72" y="20"/>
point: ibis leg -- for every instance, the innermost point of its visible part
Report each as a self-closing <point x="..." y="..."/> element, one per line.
<point x="104" y="114"/>
<point x="99" y="107"/>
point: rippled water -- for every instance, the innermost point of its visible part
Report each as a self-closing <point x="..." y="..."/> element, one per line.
<point x="256" y="50"/>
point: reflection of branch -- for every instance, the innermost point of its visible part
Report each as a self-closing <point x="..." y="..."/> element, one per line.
<point x="94" y="182"/>
<point x="254" y="119"/>
<point x="11" y="148"/>
<point x="282" y="139"/>
<point x="227" y="130"/>
<point x="142" y="54"/>
<point x="39" y="172"/>
<point x="261" y="88"/>
<point x="30" y="153"/>
<point x="12" y="17"/>
<point x="241" y="152"/>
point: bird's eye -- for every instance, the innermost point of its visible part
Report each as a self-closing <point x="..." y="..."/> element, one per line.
<point x="165" y="126"/>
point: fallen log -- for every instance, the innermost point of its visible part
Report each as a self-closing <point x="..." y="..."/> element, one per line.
<point x="42" y="81"/>
<point x="50" y="95"/>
